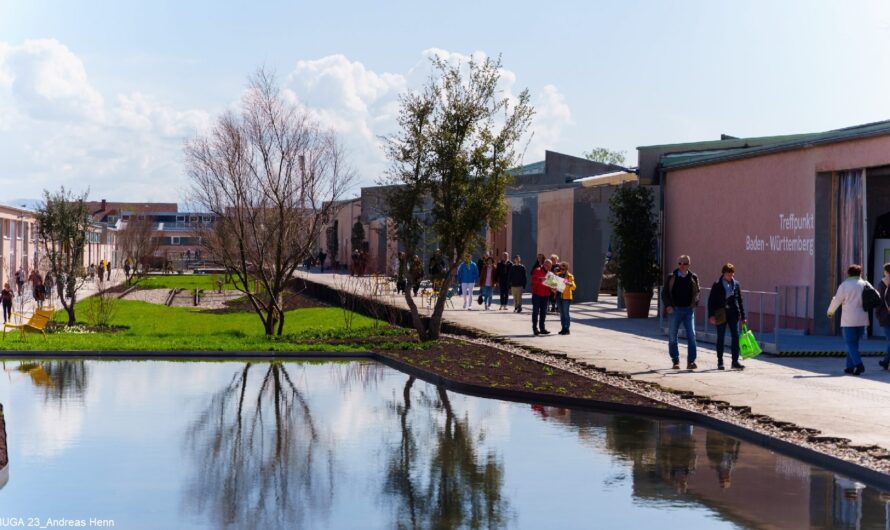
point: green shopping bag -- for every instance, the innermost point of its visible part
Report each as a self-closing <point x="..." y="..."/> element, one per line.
<point x="748" y="345"/>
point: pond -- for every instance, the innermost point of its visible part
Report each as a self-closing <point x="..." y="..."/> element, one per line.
<point x="355" y="444"/>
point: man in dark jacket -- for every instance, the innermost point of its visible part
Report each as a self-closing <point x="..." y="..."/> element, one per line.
<point x="518" y="281"/>
<point x="502" y="273"/>
<point x="680" y="297"/>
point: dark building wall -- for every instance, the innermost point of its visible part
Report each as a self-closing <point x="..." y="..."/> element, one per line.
<point x="524" y="219"/>
<point x="560" y="168"/>
<point x="877" y="197"/>
<point x="592" y="233"/>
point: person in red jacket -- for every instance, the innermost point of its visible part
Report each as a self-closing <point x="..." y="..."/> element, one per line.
<point x="540" y="298"/>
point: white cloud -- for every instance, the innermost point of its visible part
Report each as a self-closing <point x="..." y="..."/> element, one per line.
<point x="362" y="104"/>
<point x="56" y="129"/>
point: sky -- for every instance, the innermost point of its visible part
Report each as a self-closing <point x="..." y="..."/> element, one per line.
<point x="101" y="95"/>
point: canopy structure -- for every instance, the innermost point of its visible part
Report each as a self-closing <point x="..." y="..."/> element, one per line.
<point x="615" y="178"/>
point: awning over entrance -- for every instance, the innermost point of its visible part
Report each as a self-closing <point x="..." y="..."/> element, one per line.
<point x="615" y="178"/>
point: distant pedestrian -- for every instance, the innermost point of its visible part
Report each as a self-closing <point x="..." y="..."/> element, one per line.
<point x="49" y="282"/>
<point x="467" y="276"/>
<point x="854" y="319"/>
<point x="107" y="270"/>
<point x="539" y="261"/>
<point x="540" y="298"/>
<point x="680" y="295"/>
<point x="437" y="266"/>
<point x="321" y="257"/>
<point x="34" y="279"/>
<point x="417" y="271"/>
<point x="726" y="309"/>
<point x="883" y="312"/>
<point x="518" y="282"/>
<point x="565" y="297"/>
<point x="6" y="300"/>
<point x="40" y="294"/>
<point x="487" y="281"/>
<point x="401" y="272"/>
<point x="20" y="281"/>
<point x="101" y="270"/>
<point x="503" y="278"/>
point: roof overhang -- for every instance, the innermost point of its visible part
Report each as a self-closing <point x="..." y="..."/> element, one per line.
<point x="608" y="179"/>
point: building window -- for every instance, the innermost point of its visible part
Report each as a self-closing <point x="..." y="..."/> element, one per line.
<point x="174" y="240"/>
<point x="180" y="218"/>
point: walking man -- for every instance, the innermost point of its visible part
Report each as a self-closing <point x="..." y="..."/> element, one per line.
<point x="518" y="282"/>
<point x="540" y="298"/>
<point x="680" y="297"/>
<point x="503" y="278"/>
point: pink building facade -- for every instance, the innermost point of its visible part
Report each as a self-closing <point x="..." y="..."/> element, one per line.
<point x="777" y="213"/>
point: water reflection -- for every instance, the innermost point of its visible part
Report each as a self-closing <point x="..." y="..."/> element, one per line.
<point x="260" y="460"/>
<point x="60" y="380"/>
<point x="448" y="484"/>
<point x="746" y="484"/>
<point x="358" y="445"/>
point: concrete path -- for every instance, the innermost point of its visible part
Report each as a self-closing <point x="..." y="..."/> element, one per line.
<point x="810" y="392"/>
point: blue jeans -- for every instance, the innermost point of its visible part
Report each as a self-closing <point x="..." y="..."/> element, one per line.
<point x="539" y="311"/>
<point x="686" y="315"/>
<point x="887" y="334"/>
<point x="732" y="322"/>
<point x="486" y="295"/>
<point x="564" y="319"/>
<point x="852" y="334"/>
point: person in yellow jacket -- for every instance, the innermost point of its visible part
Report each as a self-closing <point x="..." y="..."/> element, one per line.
<point x="565" y="298"/>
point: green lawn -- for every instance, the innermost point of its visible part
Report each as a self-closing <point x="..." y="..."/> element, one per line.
<point x="155" y="327"/>
<point x="182" y="281"/>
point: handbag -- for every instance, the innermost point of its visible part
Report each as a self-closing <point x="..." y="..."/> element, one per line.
<point x="748" y="345"/>
<point x="480" y="299"/>
<point x="720" y="316"/>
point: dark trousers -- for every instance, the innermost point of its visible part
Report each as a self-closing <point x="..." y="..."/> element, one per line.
<point x="539" y="311"/>
<point x="505" y="292"/>
<point x="7" y="311"/>
<point x="732" y="322"/>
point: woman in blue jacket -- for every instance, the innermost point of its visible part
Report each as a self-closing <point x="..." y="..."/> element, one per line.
<point x="467" y="276"/>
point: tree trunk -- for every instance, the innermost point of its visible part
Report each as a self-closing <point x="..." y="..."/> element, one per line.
<point x="71" y="318"/>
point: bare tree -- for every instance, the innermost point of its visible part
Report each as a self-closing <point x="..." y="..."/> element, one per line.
<point x="270" y="175"/>
<point x="138" y="243"/>
<point x="64" y="221"/>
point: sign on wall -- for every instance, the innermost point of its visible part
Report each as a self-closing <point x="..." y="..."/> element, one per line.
<point x="794" y="233"/>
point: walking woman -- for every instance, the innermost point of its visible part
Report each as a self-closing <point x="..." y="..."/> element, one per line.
<point x="883" y="312"/>
<point x="565" y="298"/>
<point x="727" y="309"/>
<point x="854" y="319"/>
<point x="467" y="275"/>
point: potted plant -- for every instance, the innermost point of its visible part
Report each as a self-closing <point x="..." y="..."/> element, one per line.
<point x="634" y="244"/>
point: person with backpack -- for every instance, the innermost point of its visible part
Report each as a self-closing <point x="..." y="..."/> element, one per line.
<point x="854" y="316"/>
<point x="883" y="312"/>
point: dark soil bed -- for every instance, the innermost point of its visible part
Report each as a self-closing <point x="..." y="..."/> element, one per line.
<point x="482" y="365"/>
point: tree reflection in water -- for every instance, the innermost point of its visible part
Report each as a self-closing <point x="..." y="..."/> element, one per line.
<point x="259" y="459"/>
<point x="445" y="483"/>
<point x="60" y="380"/>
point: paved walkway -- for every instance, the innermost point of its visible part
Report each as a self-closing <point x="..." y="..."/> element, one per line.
<point x="810" y="392"/>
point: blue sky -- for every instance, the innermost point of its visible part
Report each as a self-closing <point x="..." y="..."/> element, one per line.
<point x="101" y="94"/>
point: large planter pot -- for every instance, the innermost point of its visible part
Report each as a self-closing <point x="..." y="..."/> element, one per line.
<point x="637" y="304"/>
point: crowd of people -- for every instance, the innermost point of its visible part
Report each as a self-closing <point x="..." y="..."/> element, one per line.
<point x="552" y="283"/>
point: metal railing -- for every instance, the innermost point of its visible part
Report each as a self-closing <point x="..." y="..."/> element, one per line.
<point x="769" y="312"/>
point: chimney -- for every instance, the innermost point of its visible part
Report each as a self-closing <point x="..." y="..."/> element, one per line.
<point x="102" y="209"/>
